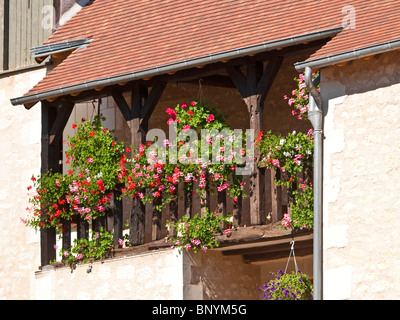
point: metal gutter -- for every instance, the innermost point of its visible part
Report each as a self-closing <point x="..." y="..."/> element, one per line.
<point x="173" y="67"/>
<point x="316" y="118"/>
<point x="348" y="56"/>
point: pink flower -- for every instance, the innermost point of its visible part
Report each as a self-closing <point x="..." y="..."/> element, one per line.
<point x="190" y="112"/>
<point x="170" y="120"/>
<point x="193" y="103"/>
<point x="183" y="105"/>
<point x="171" y="113"/>
<point x="79" y="256"/>
<point x="89" y="160"/>
<point x="185" y="128"/>
<point x="227" y="231"/>
<point x="188" y="246"/>
<point x="120" y="242"/>
<point x="210" y="118"/>
<point x="286" y="220"/>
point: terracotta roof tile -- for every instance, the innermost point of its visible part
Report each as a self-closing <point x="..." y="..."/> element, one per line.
<point x="134" y="35"/>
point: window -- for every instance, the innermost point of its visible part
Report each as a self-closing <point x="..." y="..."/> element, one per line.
<point x="23" y="24"/>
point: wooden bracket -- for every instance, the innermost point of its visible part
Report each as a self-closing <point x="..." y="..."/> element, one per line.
<point x="61" y="121"/>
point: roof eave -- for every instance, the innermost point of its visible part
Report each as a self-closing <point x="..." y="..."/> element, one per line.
<point x="348" y="56"/>
<point x="30" y="100"/>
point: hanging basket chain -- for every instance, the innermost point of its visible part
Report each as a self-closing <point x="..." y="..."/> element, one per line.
<point x="294" y="257"/>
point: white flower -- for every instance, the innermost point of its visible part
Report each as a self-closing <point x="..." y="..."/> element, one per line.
<point x="282" y="142"/>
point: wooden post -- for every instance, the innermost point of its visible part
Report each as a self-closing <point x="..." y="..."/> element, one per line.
<point x="83" y="228"/>
<point x="173" y="217"/>
<point x="205" y="200"/>
<point x="66" y="235"/>
<point x="137" y="116"/>
<point x="253" y="88"/>
<point x="54" y="119"/>
<point x="188" y="199"/>
<point x="156" y="220"/>
<point x="117" y="214"/>
<point x="276" y="194"/>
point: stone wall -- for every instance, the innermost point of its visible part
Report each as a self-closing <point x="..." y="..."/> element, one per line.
<point x="361" y="179"/>
<point x="149" y="276"/>
<point x="20" y="132"/>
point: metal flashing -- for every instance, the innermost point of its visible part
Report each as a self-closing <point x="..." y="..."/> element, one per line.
<point x="49" y="49"/>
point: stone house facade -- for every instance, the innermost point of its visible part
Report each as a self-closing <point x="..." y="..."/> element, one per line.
<point x="360" y="255"/>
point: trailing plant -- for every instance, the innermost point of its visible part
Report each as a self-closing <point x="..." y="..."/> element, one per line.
<point x="97" y="247"/>
<point x="291" y="156"/>
<point x="86" y="189"/>
<point x="48" y="202"/>
<point x="285" y="286"/>
<point x="94" y="152"/>
<point x="198" y="233"/>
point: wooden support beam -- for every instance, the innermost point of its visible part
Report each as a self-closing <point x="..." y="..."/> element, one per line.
<point x="122" y="105"/>
<point x="270" y="248"/>
<point x="152" y="100"/>
<point x="254" y="87"/>
<point x="137" y="115"/>
<point x="58" y="127"/>
<point x="278" y="254"/>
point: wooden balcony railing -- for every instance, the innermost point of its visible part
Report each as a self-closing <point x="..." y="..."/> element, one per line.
<point x="147" y="224"/>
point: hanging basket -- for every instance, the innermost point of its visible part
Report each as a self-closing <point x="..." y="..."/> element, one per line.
<point x="288" y="286"/>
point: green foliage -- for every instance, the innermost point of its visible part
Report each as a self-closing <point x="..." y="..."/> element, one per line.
<point x="48" y="204"/>
<point x="292" y="155"/>
<point x="94" y="157"/>
<point x="97" y="247"/>
<point x="94" y="151"/>
<point x="198" y="233"/>
<point x="294" y="286"/>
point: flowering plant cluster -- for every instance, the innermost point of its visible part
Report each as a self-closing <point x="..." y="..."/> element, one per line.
<point x="48" y="203"/>
<point x="285" y="286"/>
<point x="198" y="233"/>
<point x="87" y="187"/>
<point x="156" y="168"/>
<point x="299" y="99"/>
<point x="97" y="247"/>
<point x="292" y="155"/>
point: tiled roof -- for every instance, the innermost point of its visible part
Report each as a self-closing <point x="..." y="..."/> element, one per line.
<point x="134" y="35"/>
<point x="375" y="23"/>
